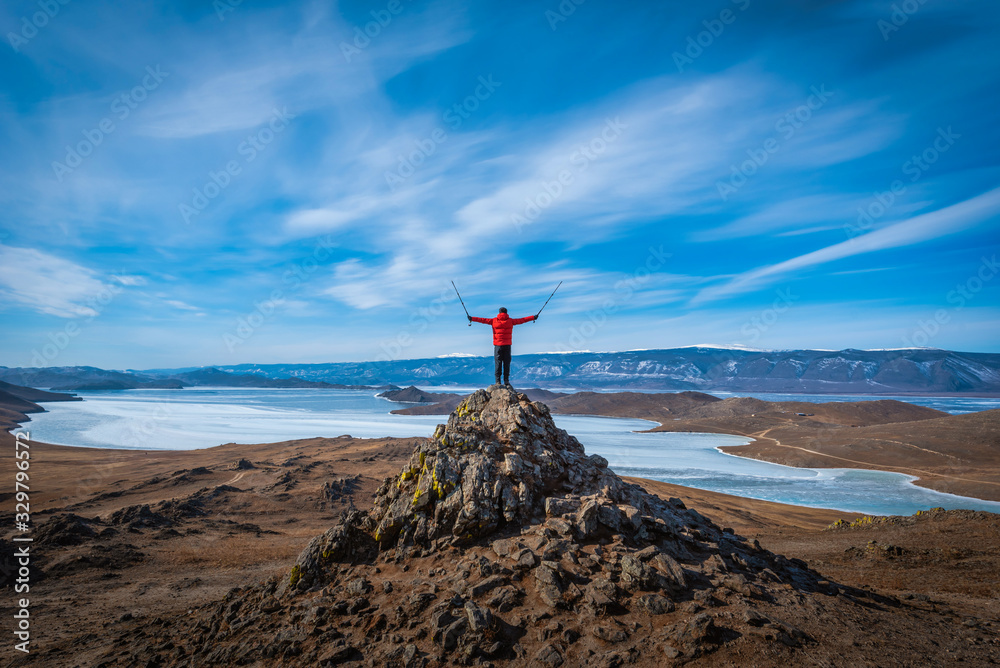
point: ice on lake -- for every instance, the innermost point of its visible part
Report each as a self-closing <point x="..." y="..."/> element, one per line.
<point x="201" y="418"/>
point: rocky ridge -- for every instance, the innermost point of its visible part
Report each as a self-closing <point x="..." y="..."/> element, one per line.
<point x="501" y="468"/>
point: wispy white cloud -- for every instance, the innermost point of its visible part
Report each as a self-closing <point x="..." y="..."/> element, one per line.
<point x="649" y="151"/>
<point x="931" y="225"/>
<point x="130" y="280"/>
<point x="838" y="132"/>
<point x="780" y="216"/>
<point x="403" y="279"/>
<point x="866" y="270"/>
<point x="178" y="304"/>
<point x="233" y="100"/>
<point x="647" y="147"/>
<point x="315" y="221"/>
<point x="48" y="284"/>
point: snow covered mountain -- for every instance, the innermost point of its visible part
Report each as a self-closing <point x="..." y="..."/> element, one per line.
<point x="921" y="370"/>
<point x="706" y="368"/>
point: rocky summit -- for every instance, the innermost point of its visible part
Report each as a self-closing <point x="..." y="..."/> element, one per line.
<point x="501" y="542"/>
<point x="500" y="471"/>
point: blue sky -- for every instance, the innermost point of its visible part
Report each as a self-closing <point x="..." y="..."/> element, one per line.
<point x="193" y="184"/>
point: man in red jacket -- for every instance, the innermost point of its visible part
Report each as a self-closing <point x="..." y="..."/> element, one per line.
<point x="502" y="325"/>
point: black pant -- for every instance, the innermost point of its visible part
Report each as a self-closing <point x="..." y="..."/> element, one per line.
<point x="501" y="358"/>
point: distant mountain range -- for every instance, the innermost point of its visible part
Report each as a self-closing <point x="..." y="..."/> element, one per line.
<point x="919" y="371"/>
<point x="69" y="378"/>
<point x="83" y="378"/>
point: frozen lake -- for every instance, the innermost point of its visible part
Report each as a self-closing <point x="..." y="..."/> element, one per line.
<point x="205" y="417"/>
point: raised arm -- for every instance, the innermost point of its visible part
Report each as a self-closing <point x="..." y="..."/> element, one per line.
<point x="485" y="321"/>
<point x="521" y="321"/>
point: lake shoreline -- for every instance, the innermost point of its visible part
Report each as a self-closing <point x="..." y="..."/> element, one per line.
<point x="759" y="423"/>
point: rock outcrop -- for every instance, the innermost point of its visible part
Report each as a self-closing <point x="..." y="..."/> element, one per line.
<point x="501" y="468"/>
<point x="523" y="515"/>
<point x="414" y="395"/>
<point x="503" y="542"/>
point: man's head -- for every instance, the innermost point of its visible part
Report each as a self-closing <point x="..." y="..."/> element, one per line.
<point x="503" y="309"/>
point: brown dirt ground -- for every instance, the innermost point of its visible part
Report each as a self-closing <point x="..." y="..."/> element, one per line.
<point x="947" y="565"/>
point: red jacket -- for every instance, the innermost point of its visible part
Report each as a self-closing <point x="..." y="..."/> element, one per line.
<point x="502" y="326"/>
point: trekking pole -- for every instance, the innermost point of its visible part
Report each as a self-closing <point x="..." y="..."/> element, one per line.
<point x="463" y="304"/>
<point x="547" y="301"/>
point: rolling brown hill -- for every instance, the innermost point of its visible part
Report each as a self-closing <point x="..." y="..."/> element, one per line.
<point x="17" y="401"/>
<point x="958" y="454"/>
<point x="17" y="404"/>
<point x="649" y="406"/>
